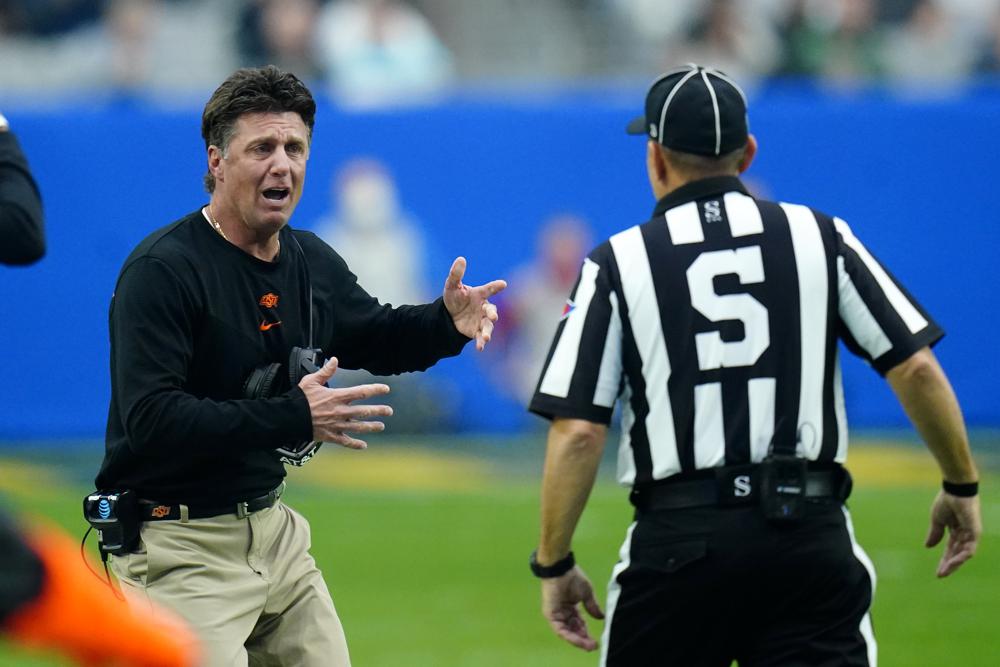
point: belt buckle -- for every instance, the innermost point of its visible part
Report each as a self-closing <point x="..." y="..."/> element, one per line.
<point x="242" y="510"/>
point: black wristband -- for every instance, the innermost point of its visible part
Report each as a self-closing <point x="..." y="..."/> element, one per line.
<point x="961" y="490"/>
<point x="557" y="569"/>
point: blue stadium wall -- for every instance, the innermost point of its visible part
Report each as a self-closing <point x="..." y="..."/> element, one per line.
<point x="915" y="176"/>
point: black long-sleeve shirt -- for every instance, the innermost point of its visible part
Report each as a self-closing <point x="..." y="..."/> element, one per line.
<point x="193" y="315"/>
<point x="22" y="234"/>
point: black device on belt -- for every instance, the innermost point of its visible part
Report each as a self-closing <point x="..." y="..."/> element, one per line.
<point x="151" y="510"/>
<point x="742" y="485"/>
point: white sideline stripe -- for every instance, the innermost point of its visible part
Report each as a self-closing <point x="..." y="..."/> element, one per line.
<point x="867" y="632"/>
<point x="907" y="311"/>
<point x="559" y="373"/>
<point x="614" y="590"/>
<point x="810" y="265"/>
<point x="743" y="214"/>
<point x="715" y="109"/>
<point x="609" y="375"/>
<point x="644" y="316"/>
<point x="685" y="224"/>
<point x="858" y="317"/>
<point x="760" y="400"/>
<point x="709" y="438"/>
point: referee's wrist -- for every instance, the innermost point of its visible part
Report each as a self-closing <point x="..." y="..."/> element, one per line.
<point x="961" y="490"/>
<point x="552" y="570"/>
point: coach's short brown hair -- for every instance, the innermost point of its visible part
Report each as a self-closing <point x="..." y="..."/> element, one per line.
<point x="252" y="90"/>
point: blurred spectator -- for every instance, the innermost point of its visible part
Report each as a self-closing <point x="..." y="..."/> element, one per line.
<point x="381" y="51"/>
<point x="729" y="36"/>
<point x="929" y="47"/>
<point x="282" y="33"/>
<point x="45" y="18"/>
<point x="138" y="44"/>
<point x="839" y="40"/>
<point x="385" y="247"/>
<point x="371" y="232"/>
<point x="533" y="303"/>
<point x="988" y="58"/>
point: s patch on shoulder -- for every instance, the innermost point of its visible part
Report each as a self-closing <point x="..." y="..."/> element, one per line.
<point x="567" y="309"/>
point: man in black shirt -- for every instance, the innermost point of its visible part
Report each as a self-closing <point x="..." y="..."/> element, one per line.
<point x="200" y="306"/>
<point x="715" y="325"/>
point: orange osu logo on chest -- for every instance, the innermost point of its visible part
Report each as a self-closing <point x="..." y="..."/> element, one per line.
<point x="269" y="300"/>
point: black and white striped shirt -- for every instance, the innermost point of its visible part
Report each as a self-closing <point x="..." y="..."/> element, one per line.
<point x="716" y="323"/>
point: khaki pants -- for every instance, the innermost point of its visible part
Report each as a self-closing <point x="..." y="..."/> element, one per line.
<point x="248" y="587"/>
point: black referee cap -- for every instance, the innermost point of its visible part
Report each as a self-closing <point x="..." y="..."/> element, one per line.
<point x="694" y="109"/>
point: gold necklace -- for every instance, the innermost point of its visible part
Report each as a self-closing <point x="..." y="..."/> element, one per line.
<point x="215" y="223"/>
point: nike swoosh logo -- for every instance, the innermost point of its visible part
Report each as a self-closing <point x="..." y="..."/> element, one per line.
<point x="264" y="326"/>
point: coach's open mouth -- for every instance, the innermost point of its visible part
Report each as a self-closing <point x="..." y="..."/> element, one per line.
<point x="276" y="194"/>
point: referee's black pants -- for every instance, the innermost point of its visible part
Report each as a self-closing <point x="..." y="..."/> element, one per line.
<point x="705" y="586"/>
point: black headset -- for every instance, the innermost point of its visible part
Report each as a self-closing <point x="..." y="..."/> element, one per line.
<point x="267" y="381"/>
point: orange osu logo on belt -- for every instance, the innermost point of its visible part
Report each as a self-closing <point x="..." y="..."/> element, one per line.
<point x="160" y="511"/>
<point x="269" y="300"/>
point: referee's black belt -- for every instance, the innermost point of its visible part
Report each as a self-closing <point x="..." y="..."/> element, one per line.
<point x="150" y="510"/>
<point x="733" y="486"/>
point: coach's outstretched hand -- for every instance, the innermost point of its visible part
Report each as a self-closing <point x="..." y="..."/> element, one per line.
<point x="561" y="597"/>
<point x="470" y="307"/>
<point x="961" y="518"/>
<point x="333" y="416"/>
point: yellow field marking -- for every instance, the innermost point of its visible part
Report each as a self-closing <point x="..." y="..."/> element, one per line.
<point x="883" y="463"/>
<point x="26" y="480"/>
<point x="395" y="468"/>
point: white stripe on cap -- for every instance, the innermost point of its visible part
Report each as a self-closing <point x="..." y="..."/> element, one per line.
<point x="720" y="75"/>
<point x="715" y="109"/>
<point x="670" y="98"/>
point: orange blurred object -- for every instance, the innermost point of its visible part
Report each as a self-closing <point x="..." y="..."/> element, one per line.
<point x="79" y="616"/>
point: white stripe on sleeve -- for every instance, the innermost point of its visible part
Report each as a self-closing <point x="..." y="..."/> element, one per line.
<point x="559" y="373"/>
<point x="907" y="311"/>
<point x="610" y="373"/>
<point x="859" y="319"/>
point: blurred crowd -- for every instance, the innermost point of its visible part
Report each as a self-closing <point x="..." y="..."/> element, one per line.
<point x="379" y="51"/>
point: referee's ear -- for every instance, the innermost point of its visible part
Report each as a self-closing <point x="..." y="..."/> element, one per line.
<point x="749" y="153"/>
<point x="656" y="169"/>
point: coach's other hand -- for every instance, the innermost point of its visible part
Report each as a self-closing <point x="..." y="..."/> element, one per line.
<point x="470" y="308"/>
<point x="560" y="597"/>
<point x="962" y="519"/>
<point x="333" y="416"/>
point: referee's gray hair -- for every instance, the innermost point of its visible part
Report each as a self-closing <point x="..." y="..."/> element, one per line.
<point x="705" y="165"/>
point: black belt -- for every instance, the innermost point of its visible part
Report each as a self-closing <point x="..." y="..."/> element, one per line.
<point x="733" y="486"/>
<point x="150" y="510"/>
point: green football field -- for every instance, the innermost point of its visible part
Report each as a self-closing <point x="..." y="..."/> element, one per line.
<point x="425" y="548"/>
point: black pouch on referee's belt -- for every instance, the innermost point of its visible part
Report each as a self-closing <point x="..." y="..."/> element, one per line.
<point x="783" y="482"/>
<point x="115" y="517"/>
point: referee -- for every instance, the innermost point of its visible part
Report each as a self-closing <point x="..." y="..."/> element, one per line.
<point x="716" y="325"/>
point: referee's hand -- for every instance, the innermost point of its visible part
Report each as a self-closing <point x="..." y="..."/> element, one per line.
<point x="333" y="416"/>
<point x="961" y="517"/>
<point x="561" y="597"/>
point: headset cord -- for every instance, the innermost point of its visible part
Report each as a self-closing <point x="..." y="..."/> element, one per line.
<point x="104" y="559"/>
